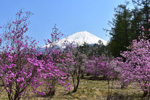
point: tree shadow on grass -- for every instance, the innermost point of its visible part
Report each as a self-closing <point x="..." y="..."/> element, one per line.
<point x="134" y="96"/>
<point x="68" y="93"/>
<point x="96" y="78"/>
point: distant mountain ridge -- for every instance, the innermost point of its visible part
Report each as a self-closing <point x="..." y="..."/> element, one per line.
<point x="79" y="38"/>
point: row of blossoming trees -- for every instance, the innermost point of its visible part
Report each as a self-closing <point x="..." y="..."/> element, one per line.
<point x="20" y="66"/>
<point x="25" y="70"/>
<point x="23" y="66"/>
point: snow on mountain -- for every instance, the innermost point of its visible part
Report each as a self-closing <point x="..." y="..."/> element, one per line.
<point x="79" y="38"/>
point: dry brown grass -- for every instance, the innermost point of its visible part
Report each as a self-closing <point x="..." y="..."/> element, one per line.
<point x="89" y="90"/>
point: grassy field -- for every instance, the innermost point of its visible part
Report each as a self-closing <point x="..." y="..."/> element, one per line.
<point x="89" y="90"/>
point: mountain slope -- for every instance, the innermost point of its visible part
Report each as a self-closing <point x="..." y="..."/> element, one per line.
<point x="79" y="38"/>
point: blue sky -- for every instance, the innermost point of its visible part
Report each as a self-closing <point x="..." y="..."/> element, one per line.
<point x="71" y="16"/>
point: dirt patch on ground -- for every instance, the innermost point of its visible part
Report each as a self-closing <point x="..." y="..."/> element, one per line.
<point x="98" y="93"/>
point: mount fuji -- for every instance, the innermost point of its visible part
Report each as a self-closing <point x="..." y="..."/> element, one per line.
<point x="79" y="38"/>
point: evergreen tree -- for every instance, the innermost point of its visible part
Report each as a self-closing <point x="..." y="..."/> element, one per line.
<point x="121" y="30"/>
<point x="144" y="13"/>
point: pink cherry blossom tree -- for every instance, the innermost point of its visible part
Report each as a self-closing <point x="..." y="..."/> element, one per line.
<point x="100" y="66"/>
<point x="55" y="68"/>
<point x="136" y="66"/>
<point x="17" y="52"/>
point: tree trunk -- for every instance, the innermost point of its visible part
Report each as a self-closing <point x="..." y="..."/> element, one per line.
<point x="82" y="74"/>
<point x="77" y="83"/>
<point x="76" y="86"/>
<point x="123" y="85"/>
<point x="52" y="90"/>
<point x="145" y="93"/>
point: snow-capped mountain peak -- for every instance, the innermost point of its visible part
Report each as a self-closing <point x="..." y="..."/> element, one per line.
<point x="80" y="38"/>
